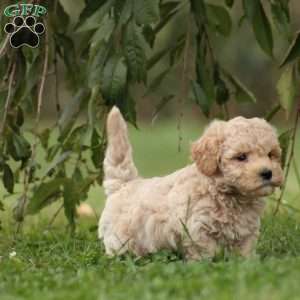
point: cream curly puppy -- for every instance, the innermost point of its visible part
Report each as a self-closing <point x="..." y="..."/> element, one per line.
<point x="206" y="206"/>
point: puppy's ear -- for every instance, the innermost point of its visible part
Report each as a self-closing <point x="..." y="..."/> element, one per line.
<point x="205" y="151"/>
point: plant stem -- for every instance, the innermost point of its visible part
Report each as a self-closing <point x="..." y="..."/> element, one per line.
<point x="292" y="148"/>
<point x="8" y="98"/>
<point x="55" y="216"/>
<point x="297" y="173"/>
<point x="43" y="80"/>
<point x="37" y="121"/>
<point x="4" y="46"/>
<point x="273" y="112"/>
<point x="184" y="82"/>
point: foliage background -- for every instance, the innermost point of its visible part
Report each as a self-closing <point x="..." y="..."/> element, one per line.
<point x="188" y="61"/>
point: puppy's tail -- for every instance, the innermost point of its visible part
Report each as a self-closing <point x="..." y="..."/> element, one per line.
<point x="119" y="167"/>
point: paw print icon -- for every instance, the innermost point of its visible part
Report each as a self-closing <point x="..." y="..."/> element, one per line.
<point x="24" y="32"/>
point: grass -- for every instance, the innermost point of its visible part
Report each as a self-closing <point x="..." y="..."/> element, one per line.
<point x="49" y="264"/>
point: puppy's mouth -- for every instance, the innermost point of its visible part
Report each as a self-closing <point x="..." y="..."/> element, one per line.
<point x="265" y="189"/>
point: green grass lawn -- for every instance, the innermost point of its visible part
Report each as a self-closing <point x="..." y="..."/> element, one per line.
<point x="47" y="263"/>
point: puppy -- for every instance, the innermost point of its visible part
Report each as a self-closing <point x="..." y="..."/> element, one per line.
<point x="212" y="204"/>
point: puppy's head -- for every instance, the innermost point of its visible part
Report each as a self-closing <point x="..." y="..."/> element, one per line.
<point x="243" y="153"/>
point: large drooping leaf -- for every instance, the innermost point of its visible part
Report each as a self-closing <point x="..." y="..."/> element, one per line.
<point x="219" y="19"/>
<point x="146" y="11"/>
<point x="8" y="178"/>
<point x="198" y="8"/>
<point x="241" y="93"/>
<point x="75" y="191"/>
<point x="222" y="92"/>
<point x="281" y="18"/>
<point x="71" y="199"/>
<point x="284" y="140"/>
<point x="98" y="144"/>
<point x="96" y="64"/>
<point x="287" y="88"/>
<point x="94" y="21"/>
<point x="205" y="74"/>
<point x="18" y="147"/>
<point x="90" y="7"/>
<point x="114" y="79"/>
<point x="229" y="3"/>
<point x="293" y="52"/>
<point x="104" y="31"/>
<point x="66" y="50"/>
<point x="201" y="98"/>
<point x="57" y="161"/>
<point x="256" y="14"/>
<point x="126" y="11"/>
<point x="134" y="48"/>
<point x="45" y="194"/>
<point x="167" y="11"/>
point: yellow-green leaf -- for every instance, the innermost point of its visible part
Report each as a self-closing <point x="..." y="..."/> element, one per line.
<point x="293" y="52"/>
<point x="286" y="88"/>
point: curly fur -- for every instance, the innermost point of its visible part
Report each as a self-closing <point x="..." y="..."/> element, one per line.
<point x="206" y="206"/>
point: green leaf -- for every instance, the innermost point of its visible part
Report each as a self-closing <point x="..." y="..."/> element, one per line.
<point x="219" y="19"/>
<point x="198" y="7"/>
<point x="127" y="107"/>
<point x="256" y="14"/>
<point x="134" y="48"/>
<point x="96" y="64"/>
<point x="98" y="148"/>
<point x="293" y="51"/>
<point x="242" y="94"/>
<point x="222" y="92"/>
<point x="146" y="11"/>
<point x="94" y="21"/>
<point x="126" y="11"/>
<point x="74" y="192"/>
<point x="18" y="209"/>
<point x="60" y="20"/>
<point x="286" y="88"/>
<point x="104" y="31"/>
<point x="92" y="106"/>
<point x="60" y="159"/>
<point x="44" y="137"/>
<point x="90" y="7"/>
<point x="71" y="199"/>
<point x="20" y="116"/>
<point x="201" y="99"/>
<point x="281" y="18"/>
<point x="18" y="147"/>
<point x="114" y="79"/>
<point x="45" y="194"/>
<point x="8" y="178"/>
<point x="284" y="140"/>
<point x="229" y="3"/>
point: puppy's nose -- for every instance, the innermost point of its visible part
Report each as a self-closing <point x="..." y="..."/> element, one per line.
<point x="266" y="174"/>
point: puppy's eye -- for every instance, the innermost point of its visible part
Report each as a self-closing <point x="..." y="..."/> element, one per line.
<point x="241" y="157"/>
<point x="273" y="155"/>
